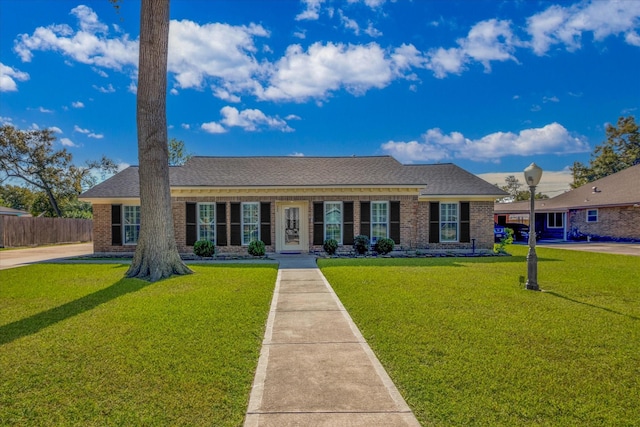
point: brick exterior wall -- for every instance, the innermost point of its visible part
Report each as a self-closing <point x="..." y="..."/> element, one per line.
<point x="615" y="223"/>
<point x="414" y="222"/>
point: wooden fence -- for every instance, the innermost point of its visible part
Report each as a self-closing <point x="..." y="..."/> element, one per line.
<point x="28" y="231"/>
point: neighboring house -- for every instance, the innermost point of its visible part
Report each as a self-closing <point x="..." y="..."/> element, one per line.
<point x="293" y="204"/>
<point x="13" y="212"/>
<point x="606" y="209"/>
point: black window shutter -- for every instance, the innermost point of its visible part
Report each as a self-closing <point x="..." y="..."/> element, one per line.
<point x="265" y="222"/>
<point x="394" y="223"/>
<point x="116" y="225"/>
<point x="191" y="226"/>
<point x="434" y="222"/>
<point x="465" y="223"/>
<point x="221" y="224"/>
<point x="236" y="224"/>
<point x="365" y="218"/>
<point x="347" y="223"/>
<point x="318" y="223"/>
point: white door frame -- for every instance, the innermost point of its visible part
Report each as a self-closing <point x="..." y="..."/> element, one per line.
<point x="303" y="226"/>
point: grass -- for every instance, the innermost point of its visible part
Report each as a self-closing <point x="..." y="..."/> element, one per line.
<point x="80" y="345"/>
<point x="467" y="345"/>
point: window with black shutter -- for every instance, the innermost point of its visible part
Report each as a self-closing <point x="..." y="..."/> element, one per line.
<point x="265" y="222"/>
<point x="365" y="218"/>
<point x="221" y="224"/>
<point x="394" y="222"/>
<point x="347" y="223"/>
<point x="191" y="223"/>
<point x="434" y="222"/>
<point x="116" y="225"/>
<point x="465" y="222"/>
<point x="236" y="224"/>
<point x="318" y="223"/>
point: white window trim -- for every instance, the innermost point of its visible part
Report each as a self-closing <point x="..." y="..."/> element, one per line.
<point x="341" y="223"/>
<point x="457" y="222"/>
<point x="198" y="220"/>
<point x="124" y="226"/>
<point x="371" y="223"/>
<point x="242" y="223"/>
<point x="597" y="215"/>
<point x="555" y="225"/>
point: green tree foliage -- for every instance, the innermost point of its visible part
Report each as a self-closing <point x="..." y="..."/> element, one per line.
<point x="17" y="197"/>
<point x="178" y="154"/>
<point x="619" y="151"/>
<point x="54" y="181"/>
<point x="516" y="194"/>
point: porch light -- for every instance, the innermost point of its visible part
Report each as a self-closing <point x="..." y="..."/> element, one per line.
<point x="532" y="175"/>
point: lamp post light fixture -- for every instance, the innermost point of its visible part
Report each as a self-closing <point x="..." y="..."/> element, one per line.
<point x="532" y="175"/>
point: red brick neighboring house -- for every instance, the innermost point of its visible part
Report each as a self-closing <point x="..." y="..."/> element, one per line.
<point x="293" y="204"/>
<point x="606" y="209"/>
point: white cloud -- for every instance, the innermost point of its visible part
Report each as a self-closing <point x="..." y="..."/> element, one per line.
<point x="293" y="117"/>
<point x="348" y="23"/>
<point x="6" y="121"/>
<point x="550" y="99"/>
<point x="436" y="146"/>
<point x="102" y="89"/>
<point x="186" y="126"/>
<point x="100" y="72"/>
<point x="321" y="69"/>
<point x="89" y="133"/>
<point x="225" y="95"/>
<point x="311" y="12"/>
<point x="252" y="120"/>
<point x="446" y="61"/>
<point x="90" y="44"/>
<point x="490" y="40"/>
<point x="218" y="51"/>
<point x="77" y="104"/>
<point x="371" y="31"/>
<point x="66" y="142"/>
<point x="559" y="25"/>
<point x="174" y="91"/>
<point x="8" y="77"/>
<point x="55" y="129"/>
<point x="213" y="127"/>
<point x="296" y="154"/>
<point x="45" y="110"/>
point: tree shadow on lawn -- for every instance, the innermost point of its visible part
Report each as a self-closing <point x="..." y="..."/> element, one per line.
<point x="556" y="294"/>
<point x="37" y="322"/>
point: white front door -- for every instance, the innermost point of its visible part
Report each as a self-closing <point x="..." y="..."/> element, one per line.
<point x="291" y="231"/>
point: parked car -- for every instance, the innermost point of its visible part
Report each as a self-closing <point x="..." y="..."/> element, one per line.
<point x="520" y="231"/>
<point x="499" y="232"/>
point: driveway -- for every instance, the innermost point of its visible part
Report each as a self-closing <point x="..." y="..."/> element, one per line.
<point x="604" y="247"/>
<point x="19" y="257"/>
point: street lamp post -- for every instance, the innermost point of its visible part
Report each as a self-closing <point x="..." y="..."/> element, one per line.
<point x="532" y="175"/>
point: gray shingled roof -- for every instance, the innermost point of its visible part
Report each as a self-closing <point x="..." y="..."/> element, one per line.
<point x="229" y="172"/>
<point x="619" y="189"/>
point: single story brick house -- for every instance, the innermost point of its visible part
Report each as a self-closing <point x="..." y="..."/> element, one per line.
<point x="606" y="209"/>
<point x="293" y="204"/>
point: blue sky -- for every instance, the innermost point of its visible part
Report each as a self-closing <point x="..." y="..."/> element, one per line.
<point x="488" y="85"/>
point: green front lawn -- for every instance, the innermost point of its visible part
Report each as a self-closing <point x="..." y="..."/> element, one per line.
<point x="467" y="345"/>
<point x="80" y="345"/>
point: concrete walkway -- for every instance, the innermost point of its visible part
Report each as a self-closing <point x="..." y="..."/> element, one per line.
<point x="315" y="368"/>
<point x="19" y="257"/>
